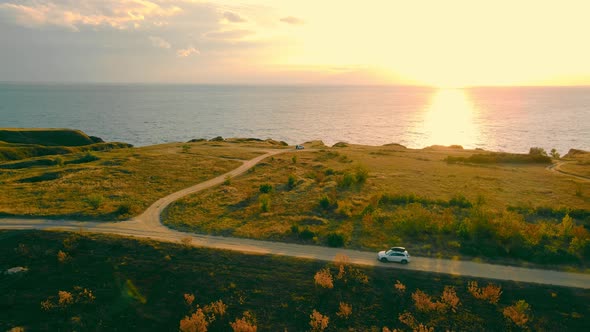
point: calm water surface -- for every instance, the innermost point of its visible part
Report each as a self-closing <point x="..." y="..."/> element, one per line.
<point x="507" y="119"/>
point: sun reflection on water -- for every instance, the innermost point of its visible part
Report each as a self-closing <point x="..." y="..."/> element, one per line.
<point x="449" y="119"/>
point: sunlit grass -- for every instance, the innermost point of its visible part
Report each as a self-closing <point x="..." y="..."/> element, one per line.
<point x="449" y="193"/>
<point x="116" y="184"/>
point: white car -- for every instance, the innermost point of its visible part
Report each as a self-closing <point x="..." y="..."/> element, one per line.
<point x="394" y="255"/>
<point x="299" y="147"/>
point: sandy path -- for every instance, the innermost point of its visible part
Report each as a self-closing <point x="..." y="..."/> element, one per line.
<point x="148" y="225"/>
<point x="556" y="168"/>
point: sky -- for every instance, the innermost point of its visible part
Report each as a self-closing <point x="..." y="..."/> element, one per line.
<point x="438" y="43"/>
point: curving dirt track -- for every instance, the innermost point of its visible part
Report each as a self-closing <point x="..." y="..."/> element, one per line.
<point x="556" y="168"/>
<point x="148" y="225"/>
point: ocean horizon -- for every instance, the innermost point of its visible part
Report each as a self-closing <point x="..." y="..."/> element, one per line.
<point x="510" y="119"/>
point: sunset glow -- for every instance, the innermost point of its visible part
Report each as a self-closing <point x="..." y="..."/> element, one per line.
<point x="449" y="119"/>
<point x="443" y="43"/>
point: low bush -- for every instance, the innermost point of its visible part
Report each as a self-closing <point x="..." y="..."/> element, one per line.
<point x="94" y="201"/>
<point x="346" y="180"/>
<point x="265" y="188"/>
<point x="264" y="201"/>
<point x="86" y="158"/>
<point x="123" y="209"/>
<point x="291" y="182"/>
<point x="306" y="235"/>
<point x="326" y="204"/>
<point x="335" y="240"/>
<point x="502" y="157"/>
<point x="460" y="201"/>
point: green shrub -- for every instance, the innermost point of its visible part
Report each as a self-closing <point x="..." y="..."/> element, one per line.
<point x="264" y="201"/>
<point x="369" y="209"/>
<point x="94" y="201"/>
<point x="326" y="204"/>
<point x="361" y="175"/>
<point x="87" y="158"/>
<point x="502" y="157"/>
<point x="389" y="199"/>
<point x="335" y="240"/>
<point x="265" y="188"/>
<point x="58" y="161"/>
<point x="537" y="151"/>
<point x="294" y="159"/>
<point x="306" y="235"/>
<point x="123" y="209"/>
<point x="460" y="201"/>
<point x="346" y="180"/>
<point x="554" y="154"/>
<point x="291" y="182"/>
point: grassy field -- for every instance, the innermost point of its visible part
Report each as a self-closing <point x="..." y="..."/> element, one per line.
<point x="375" y="197"/>
<point x="115" y="184"/>
<point x="82" y="282"/>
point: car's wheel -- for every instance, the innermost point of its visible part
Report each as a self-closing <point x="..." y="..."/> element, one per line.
<point x="384" y="260"/>
<point x="404" y="261"/>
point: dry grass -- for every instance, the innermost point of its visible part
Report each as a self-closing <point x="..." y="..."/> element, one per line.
<point x="325" y="196"/>
<point x="120" y="183"/>
<point x="577" y="164"/>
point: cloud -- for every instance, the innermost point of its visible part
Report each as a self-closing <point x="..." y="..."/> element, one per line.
<point x="229" y="34"/>
<point x="292" y="20"/>
<point x="186" y="52"/>
<point x="159" y="42"/>
<point x="233" y="17"/>
<point x="118" y="14"/>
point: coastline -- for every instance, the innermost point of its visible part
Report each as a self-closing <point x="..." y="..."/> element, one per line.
<point x="494" y="119"/>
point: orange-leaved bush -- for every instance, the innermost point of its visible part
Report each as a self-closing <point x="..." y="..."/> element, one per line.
<point x="399" y="286"/>
<point x="318" y="321"/>
<point x="408" y="319"/>
<point x="491" y="293"/>
<point x="518" y="313"/>
<point x="344" y="310"/>
<point x="197" y="322"/>
<point x="84" y="295"/>
<point x="342" y="261"/>
<point x="423" y="302"/>
<point x="324" y="279"/>
<point x="218" y="308"/>
<point x="450" y="298"/>
<point x="65" y="298"/>
<point x="62" y="257"/>
<point x="189" y="298"/>
<point x="244" y="324"/>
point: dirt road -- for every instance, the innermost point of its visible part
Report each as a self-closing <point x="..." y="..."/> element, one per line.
<point x="556" y="168"/>
<point x="148" y="225"/>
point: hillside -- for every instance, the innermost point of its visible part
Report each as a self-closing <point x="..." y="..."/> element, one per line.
<point x="18" y="144"/>
<point x="47" y="137"/>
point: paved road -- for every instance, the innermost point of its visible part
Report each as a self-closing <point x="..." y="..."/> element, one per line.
<point x="148" y="225"/>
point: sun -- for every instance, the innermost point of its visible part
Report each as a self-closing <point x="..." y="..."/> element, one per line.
<point x="449" y="119"/>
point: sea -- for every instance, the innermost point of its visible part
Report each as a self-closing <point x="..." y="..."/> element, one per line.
<point x="511" y="119"/>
